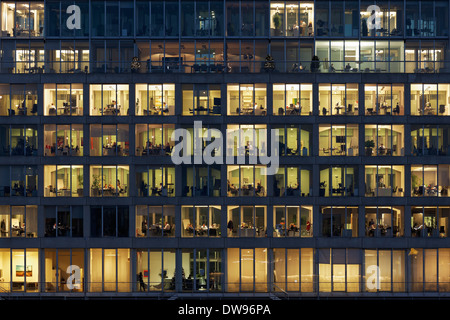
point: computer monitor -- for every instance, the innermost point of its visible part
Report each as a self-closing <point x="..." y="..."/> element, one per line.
<point x="217" y="101"/>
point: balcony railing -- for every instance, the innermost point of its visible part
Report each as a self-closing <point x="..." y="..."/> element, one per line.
<point x="279" y="66"/>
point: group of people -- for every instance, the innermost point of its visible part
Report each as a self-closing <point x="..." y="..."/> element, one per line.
<point x="156" y="227"/>
<point x="151" y="148"/>
<point x="202" y="230"/>
<point x="246" y="189"/>
<point x="118" y="189"/>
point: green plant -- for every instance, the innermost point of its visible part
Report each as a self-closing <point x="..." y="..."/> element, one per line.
<point x="80" y="181"/>
<point x="369" y="144"/>
<point x="96" y="182"/>
<point x="415" y="181"/>
<point x="276" y="21"/>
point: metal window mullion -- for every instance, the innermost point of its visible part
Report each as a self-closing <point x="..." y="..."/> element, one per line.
<point x="423" y="268"/>
<point x="378" y="267"/>
<point x="117" y="221"/>
<point x="102" y="217"/>
<point x="148" y="268"/>
<point x="57" y="269"/>
<point x="437" y="269"/>
<point x="117" y="267"/>
<point x="392" y="268"/>
<point x="162" y="270"/>
<point x="25" y="268"/>
<point x="70" y="220"/>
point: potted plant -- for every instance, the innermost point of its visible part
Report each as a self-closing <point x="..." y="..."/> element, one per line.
<point x="277" y="24"/>
<point x="80" y="185"/>
<point x="96" y="185"/>
<point x="416" y="182"/>
<point x="369" y="144"/>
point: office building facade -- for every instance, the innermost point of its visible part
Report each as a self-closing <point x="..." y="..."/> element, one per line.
<point x="93" y="205"/>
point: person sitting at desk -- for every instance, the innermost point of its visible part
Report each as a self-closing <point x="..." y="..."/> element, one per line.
<point x="22" y="109"/>
<point x="119" y="187"/>
<point x="165" y="108"/>
<point x="233" y="189"/>
<point x="204" y="228"/>
<point x="190" y="228"/>
<point x="382" y="149"/>
<point x="52" y="109"/>
<point x="259" y="189"/>
<point x="167" y="227"/>
<point x="167" y="148"/>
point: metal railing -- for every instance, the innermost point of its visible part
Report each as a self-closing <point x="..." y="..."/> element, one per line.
<point x="283" y="290"/>
<point x="249" y="66"/>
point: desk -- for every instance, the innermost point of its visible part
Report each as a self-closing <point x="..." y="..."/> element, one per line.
<point x="200" y="109"/>
<point x="338" y="109"/>
<point x="247" y="110"/>
<point x="371" y="112"/>
<point x="291" y="111"/>
<point x="111" y="112"/>
<point x="384" y="192"/>
<point x="247" y="232"/>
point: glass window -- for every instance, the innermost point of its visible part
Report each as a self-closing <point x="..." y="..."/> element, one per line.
<point x="384" y="140"/>
<point x="247" y="181"/>
<point x="109" y="181"/>
<point x="109" y="221"/>
<point x="247" y="18"/>
<point x="63" y="181"/>
<point x="247" y="270"/>
<point x="109" y="100"/>
<point x="339" y="270"/>
<point x="171" y="18"/>
<point x="338" y="140"/>
<point x="294" y="140"/>
<point x="201" y="99"/>
<point x="109" y="270"/>
<point x="384" y="271"/>
<point x="384" y="99"/>
<point x="293" y="181"/>
<point x="201" y="181"/>
<point x="232" y="13"/>
<point x="293" y="269"/>
<point x="155" y="221"/>
<point x="155" y="181"/>
<point x="156" y="270"/>
<point x="201" y="221"/>
<point x="321" y="18"/>
<point x="154" y="139"/>
<point x="384" y="181"/>
<point x="63" y="99"/>
<point x="292" y="99"/>
<point x="246" y="140"/>
<point x="63" y="221"/>
<point x="384" y="221"/>
<point x="57" y="262"/>
<point x="155" y="99"/>
<point x="63" y="140"/>
<point x="109" y="140"/>
<point x="247" y="221"/>
<point x="202" y="268"/>
<point x="247" y="99"/>
<point x="339" y="221"/>
<point x="338" y="99"/>
<point x="429" y="99"/>
<point x="18" y="221"/>
<point x="293" y="221"/>
<point x="338" y="181"/>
